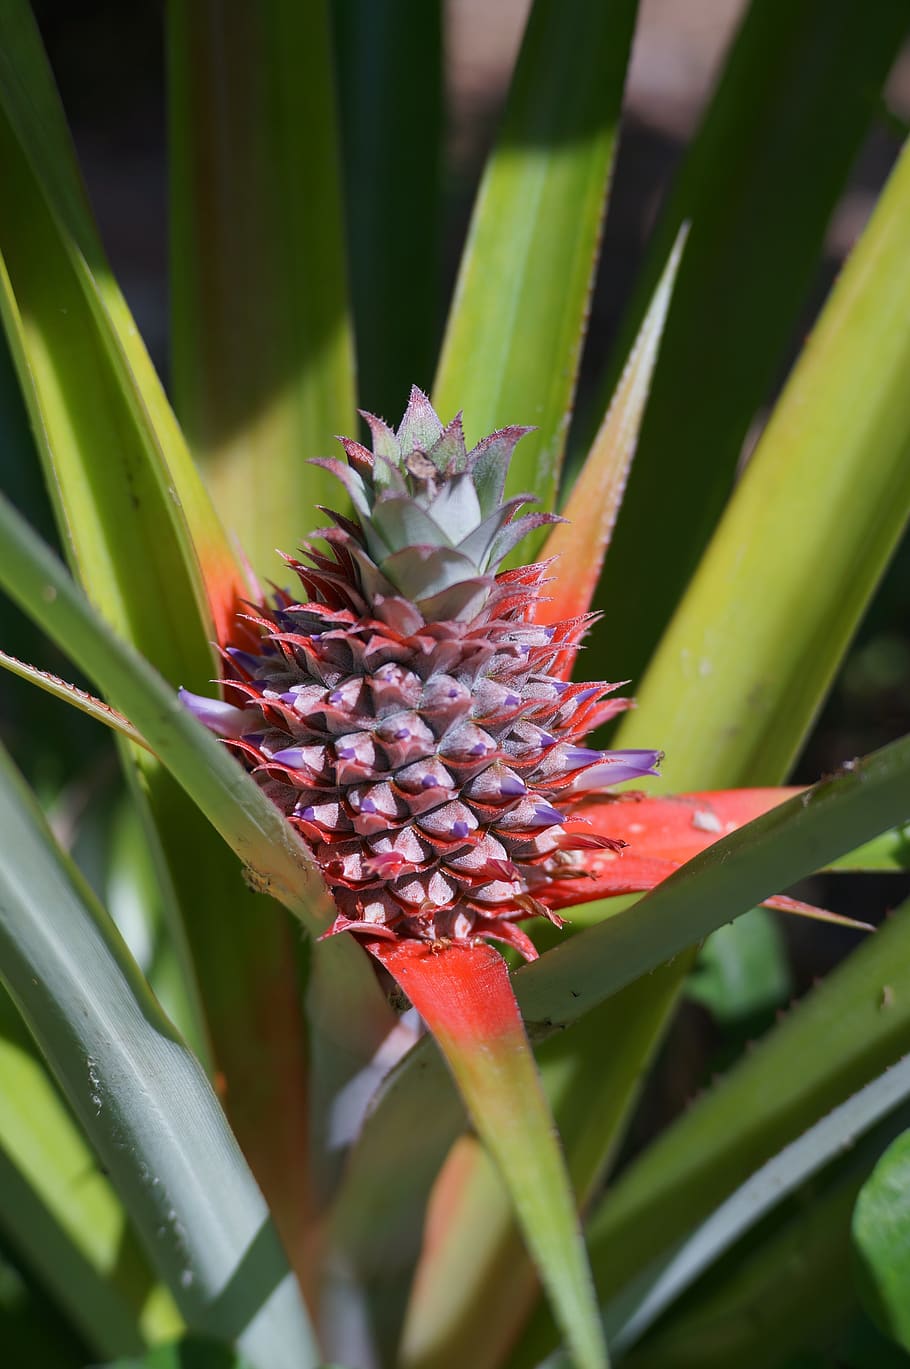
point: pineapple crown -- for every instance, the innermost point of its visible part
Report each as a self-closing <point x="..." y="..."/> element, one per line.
<point x="433" y="524"/>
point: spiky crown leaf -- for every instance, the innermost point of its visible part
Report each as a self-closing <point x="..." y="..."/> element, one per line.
<point x="432" y="515"/>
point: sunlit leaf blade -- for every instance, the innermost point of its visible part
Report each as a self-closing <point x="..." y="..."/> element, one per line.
<point x="759" y="185"/>
<point x="464" y="995"/>
<point x="231" y="800"/>
<point x="591" y="509"/>
<point x="828" y="485"/>
<point x="514" y="334"/>
<point x="143" y="1099"/>
<point x="131" y="891"/>
<point x="881" y="1237"/>
<point x="117" y="463"/>
<point x="262" y="349"/>
<point x="723" y="882"/>
<point x="72" y="694"/>
<point x="60" y="1213"/>
<point x="389" y="62"/>
<point x="634" y="1310"/>
<point x="120" y="524"/>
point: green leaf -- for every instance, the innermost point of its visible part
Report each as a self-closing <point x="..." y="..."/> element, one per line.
<point x="142" y="1098"/>
<point x="229" y="797"/>
<point x="890" y="851"/>
<point x="72" y="694"/>
<point x="263" y="355"/>
<point x="515" y="330"/>
<point x="465" y="997"/>
<point x="123" y="484"/>
<point x="758" y="637"/>
<point x="61" y="1213"/>
<point x="726" y="880"/>
<point x="881" y="1238"/>
<point x="742" y="969"/>
<point x="759" y="184"/>
<point x="389" y="63"/>
<point x="638" y="1306"/>
<point x="591" y="509"/>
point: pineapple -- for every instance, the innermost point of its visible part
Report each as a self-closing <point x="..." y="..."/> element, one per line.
<point x="409" y="716"/>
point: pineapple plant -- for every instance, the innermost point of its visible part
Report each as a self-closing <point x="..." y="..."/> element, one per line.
<point x="411" y="718"/>
<point x="402" y="768"/>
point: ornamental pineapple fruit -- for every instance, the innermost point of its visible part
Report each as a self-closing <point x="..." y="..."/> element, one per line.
<point x="409" y="716"/>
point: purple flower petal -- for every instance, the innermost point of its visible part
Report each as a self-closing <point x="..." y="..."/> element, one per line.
<point x="244" y="659"/>
<point x="545" y="816"/>
<point x="460" y="829"/>
<point x="510" y="786"/>
<point x="223" y="719"/>
<point x="618" y="766"/>
<point x="577" y="756"/>
<point x="291" y="756"/>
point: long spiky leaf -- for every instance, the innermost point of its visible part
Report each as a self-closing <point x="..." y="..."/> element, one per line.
<point x="465" y="996"/>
